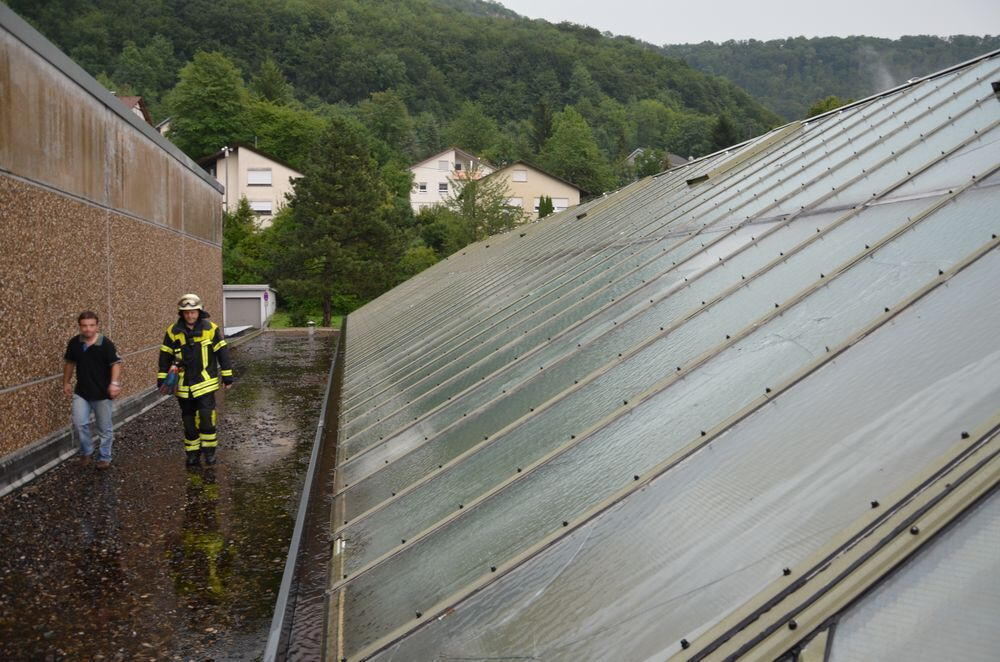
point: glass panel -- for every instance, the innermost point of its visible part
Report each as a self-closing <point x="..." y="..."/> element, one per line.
<point x="957" y="169"/>
<point x="942" y="605"/>
<point x="620" y="221"/>
<point x="615" y="268"/>
<point x="533" y="506"/>
<point x="606" y="223"/>
<point x="677" y="555"/>
<point x="563" y="362"/>
<point x="839" y="163"/>
<point x="581" y="408"/>
<point x="583" y="250"/>
<point x="536" y="325"/>
<point x="940" y="135"/>
<point x="559" y="374"/>
<point x="715" y="216"/>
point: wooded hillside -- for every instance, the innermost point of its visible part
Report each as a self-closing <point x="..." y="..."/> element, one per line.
<point x="789" y="75"/>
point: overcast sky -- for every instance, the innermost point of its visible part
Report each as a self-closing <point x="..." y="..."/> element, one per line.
<point x="693" y="21"/>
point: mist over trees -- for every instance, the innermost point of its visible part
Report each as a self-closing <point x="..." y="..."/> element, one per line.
<point x="790" y="75"/>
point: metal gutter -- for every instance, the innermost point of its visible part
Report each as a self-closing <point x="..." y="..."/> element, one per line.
<point x="281" y="622"/>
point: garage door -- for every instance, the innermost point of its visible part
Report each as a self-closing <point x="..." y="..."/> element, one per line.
<point x="243" y="312"/>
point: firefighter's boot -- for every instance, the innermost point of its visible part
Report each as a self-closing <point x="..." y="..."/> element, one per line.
<point x="192" y="458"/>
<point x="208" y="454"/>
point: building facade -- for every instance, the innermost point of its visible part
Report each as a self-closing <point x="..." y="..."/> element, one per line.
<point x="527" y="183"/>
<point x="434" y="178"/>
<point x="245" y="172"/>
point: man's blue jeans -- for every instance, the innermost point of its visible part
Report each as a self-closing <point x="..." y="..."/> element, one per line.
<point x="102" y="417"/>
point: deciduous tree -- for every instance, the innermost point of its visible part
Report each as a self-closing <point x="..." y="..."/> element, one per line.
<point x="572" y="153"/>
<point x="207" y="105"/>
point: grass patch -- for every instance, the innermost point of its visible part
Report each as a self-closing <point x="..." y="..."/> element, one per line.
<point x="282" y="320"/>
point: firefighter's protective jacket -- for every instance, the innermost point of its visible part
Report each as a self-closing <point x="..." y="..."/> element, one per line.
<point x="202" y="355"/>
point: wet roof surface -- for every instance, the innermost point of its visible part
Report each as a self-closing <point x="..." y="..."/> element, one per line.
<point x="602" y="433"/>
<point x="149" y="560"/>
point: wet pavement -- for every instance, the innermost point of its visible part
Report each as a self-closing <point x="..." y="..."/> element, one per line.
<point x="148" y="560"/>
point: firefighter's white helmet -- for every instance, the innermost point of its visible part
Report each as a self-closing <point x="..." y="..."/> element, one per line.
<point x="190" y="302"/>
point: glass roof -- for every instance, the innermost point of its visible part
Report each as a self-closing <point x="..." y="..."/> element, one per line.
<point x="602" y="432"/>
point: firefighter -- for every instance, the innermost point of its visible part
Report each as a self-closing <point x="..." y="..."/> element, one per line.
<point x="195" y="349"/>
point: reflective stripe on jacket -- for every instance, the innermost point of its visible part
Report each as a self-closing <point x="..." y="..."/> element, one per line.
<point x="202" y="355"/>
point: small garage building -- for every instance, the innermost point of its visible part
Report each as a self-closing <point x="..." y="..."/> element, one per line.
<point x="247" y="306"/>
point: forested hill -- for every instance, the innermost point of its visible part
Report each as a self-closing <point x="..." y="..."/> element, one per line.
<point x="789" y="75"/>
<point x="435" y="54"/>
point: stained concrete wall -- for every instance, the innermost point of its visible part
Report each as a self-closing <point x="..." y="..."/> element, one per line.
<point x="97" y="211"/>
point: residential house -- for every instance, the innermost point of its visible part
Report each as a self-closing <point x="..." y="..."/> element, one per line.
<point x="433" y="177"/>
<point x="138" y="108"/>
<point x="527" y="184"/>
<point x="671" y="160"/>
<point x="163" y="127"/>
<point x="248" y="172"/>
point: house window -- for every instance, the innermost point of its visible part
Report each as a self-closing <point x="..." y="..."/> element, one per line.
<point x="515" y="202"/>
<point x="261" y="207"/>
<point x="559" y="204"/>
<point x="259" y="177"/>
<point x="458" y="166"/>
<point x="442" y="187"/>
<point x="422" y="187"/>
<point x="519" y="176"/>
<point x="443" y="166"/>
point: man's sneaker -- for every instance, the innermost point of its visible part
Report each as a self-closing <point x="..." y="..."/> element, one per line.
<point x="104" y="464"/>
<point x="209" y="455"/>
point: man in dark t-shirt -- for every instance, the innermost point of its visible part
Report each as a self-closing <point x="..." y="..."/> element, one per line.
<point x="98" y="381"/>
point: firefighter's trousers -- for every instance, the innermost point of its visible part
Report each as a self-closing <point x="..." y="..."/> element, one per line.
<point x="199" y="419"/>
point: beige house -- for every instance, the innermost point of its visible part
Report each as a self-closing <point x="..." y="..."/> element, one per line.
<point x="434" y="177"/>
<point x="247" y="172"/>
<point x="527" y="184"/>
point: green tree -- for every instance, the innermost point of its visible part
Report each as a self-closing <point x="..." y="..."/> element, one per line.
<point x="482" y="208"/>
<point x="207" y="105"/>
<point x="271" y="85"/>
<point x="541" y="125"/>
<point x="340" y="240"/>
<point x="241" y="253"/>
<point x="826" y="105"/>
<point x="545" y="206"/>
<point x="472" y="129"/>
<point x="724" y="132"/>
<point x="386" y="117"/>
<point x="148" y="70"/>
<point x="652" y="121"/>
<point x="286" y="132"/>
<point x="650" y="162"/>
<point x="572" y="153"/>
<point x="416" y="258"/>
<point x="582" y="86"/>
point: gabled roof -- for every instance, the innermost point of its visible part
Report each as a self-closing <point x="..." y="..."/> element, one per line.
<point x="468" y="155"/>
<point x="740" y="409"/>
<point x="212" y="158"/>
<point x="134" y="102"/>
<point x="542" y="171"/>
